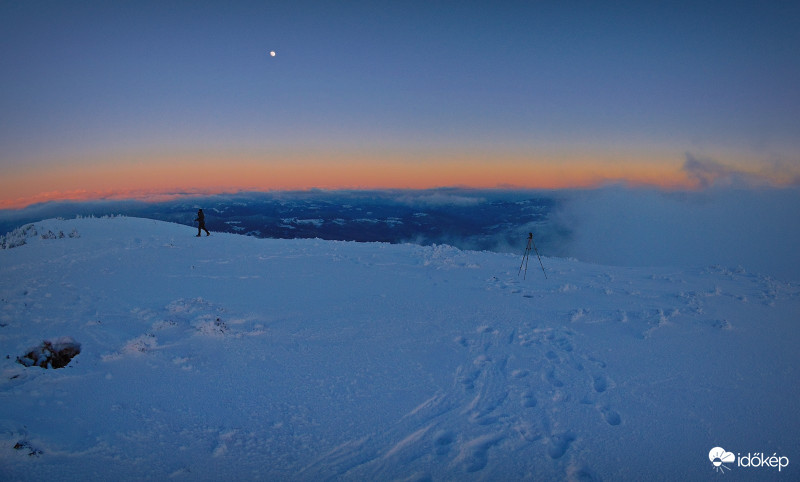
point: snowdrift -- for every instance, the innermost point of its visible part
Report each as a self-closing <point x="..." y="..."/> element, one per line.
<point x="250" y="359"/>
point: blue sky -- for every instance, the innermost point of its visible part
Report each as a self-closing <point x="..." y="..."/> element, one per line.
<point x="574" y="90"/>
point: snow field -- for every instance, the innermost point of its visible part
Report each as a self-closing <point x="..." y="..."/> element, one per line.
<point x="229" y="356"/>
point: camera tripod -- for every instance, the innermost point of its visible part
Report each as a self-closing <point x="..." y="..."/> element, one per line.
<point x="526" y="257"/>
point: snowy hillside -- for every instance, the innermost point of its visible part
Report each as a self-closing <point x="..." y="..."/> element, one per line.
<point x="231" y="357"/>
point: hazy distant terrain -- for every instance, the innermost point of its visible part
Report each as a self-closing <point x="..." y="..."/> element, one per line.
<point x="482" y="220"/>
<point x="751" y="228"/>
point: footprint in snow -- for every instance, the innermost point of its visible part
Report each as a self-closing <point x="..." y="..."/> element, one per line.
<point x="561" y="343"/>
<point x="529" y="399"/>
<point x="559" y="444"/>
<point x="519" y="373"/>
<point x="552" y="379"/>
<point x="474" y="454"/>
<point x="581" y="474"/>
<point x="442" y="441"/>
<point x="610" y="415"/>
<point x="600" y="383"/>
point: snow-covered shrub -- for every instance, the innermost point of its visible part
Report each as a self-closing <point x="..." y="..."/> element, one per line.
<point x="141" y="344"/>
<point x="51" y="235"/>
<point x="214" y="328"/>
<point x="17" y="237"/>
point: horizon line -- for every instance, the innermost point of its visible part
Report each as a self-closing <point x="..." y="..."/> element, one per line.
<point x="154" y="196"/>
<point x="152" y="181"/>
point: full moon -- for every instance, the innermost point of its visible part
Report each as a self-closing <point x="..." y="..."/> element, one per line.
<point x="272" y="53"/>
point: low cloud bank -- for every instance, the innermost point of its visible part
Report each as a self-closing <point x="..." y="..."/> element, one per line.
<point x="708" y="173"/>
<point x="756" y="229"/>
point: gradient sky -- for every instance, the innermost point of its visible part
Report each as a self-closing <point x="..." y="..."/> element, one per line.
<point x="128" y="99"/>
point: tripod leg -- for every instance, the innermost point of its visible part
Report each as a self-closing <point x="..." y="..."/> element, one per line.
<point x="540" y="258"/>
<point x="524" y="257"/>
<point x="525" y="276"/>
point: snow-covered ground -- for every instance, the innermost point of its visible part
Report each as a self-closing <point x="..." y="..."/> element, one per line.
<point x="230" y="357"/>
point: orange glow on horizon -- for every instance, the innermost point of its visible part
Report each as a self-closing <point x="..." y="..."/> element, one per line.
<point x="166" y="180"/>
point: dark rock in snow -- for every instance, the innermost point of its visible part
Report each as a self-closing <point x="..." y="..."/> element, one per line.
<point x="50" y="354"/>
<point x="25" y="445"/>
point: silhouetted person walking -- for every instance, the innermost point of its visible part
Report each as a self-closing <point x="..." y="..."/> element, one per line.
<point x="201" y="219"/>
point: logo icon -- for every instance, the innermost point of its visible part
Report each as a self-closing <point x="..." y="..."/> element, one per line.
<point x="719" y="457"/>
